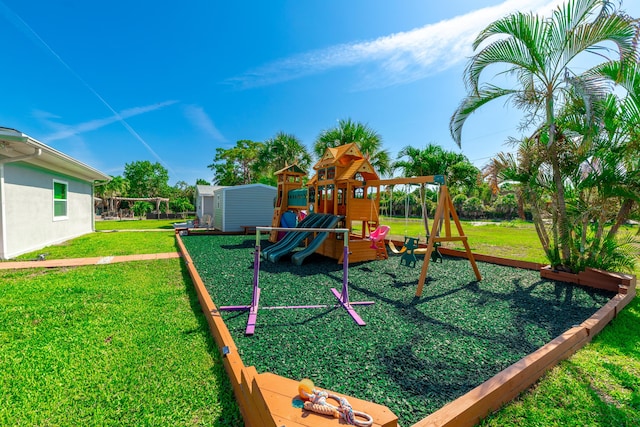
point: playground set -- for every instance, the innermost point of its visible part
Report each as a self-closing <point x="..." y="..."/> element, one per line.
<point x="342" y="200"/>
<point x="344" y="192"/>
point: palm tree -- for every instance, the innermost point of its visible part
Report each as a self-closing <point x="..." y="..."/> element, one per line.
<point x="526" y="168"/>
<point x="368" y="141"/>
<point x="432" y="160"/>
<point x="538" y="51"/>
<point x="628" y="124"/>
<point x="280" y="151"/>
<point x="116" y="187"/>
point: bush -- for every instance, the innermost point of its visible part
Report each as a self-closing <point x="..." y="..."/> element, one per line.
<point x="181" y="204"/>
<point x="141" y="208"/>
<point x="458" y="202"/>
<point x="473" y="207"/>
<point x="506" y="206"/>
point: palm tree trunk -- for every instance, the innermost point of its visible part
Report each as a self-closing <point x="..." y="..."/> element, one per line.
<point x="520" y="201"/>
<point x="563" y="226"/>
<point x="539" y="225"/>
<point x="623" y="215"/>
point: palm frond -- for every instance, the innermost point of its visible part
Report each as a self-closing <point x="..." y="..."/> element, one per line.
<point x="471" y="104"/>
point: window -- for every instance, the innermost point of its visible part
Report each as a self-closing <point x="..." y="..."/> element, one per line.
<point x="329" y="192"/>
<point x="60" y="200"/>
<point x="331" y="172"/>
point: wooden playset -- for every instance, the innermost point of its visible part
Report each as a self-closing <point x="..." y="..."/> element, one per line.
<point x="346" y="184"/>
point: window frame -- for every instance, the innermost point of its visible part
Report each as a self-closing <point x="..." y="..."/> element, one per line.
<point x="65" y="200"/>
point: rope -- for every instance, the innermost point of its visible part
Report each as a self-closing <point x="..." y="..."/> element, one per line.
<point x="317" y="402"/>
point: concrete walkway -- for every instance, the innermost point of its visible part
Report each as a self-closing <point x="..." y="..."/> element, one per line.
<point x="75" y="262"/>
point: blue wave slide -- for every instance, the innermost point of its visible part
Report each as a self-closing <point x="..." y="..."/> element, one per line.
<point x="288" y="245"/>
<point x="300" y="256"/>
<point x="277" y="250"/>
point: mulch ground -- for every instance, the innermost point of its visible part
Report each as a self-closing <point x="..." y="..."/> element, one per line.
<point x="414" y="354"/>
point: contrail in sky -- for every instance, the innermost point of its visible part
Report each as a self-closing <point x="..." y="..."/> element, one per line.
<point x="21" y="25"/>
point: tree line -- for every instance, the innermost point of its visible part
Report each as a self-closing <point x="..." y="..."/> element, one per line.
<point x="144" y="179"/>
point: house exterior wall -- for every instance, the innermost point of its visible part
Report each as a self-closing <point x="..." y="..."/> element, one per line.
<point x="28" y="212"/>
<point x="248" y="205"/>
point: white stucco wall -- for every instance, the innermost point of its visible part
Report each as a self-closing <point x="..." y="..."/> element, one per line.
<point x="28" y="220"/>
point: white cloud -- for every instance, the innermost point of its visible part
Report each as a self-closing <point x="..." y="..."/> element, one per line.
<point x="397" y="58"/>
<point x="197" y="116"/>
<point x="66" y="131"/>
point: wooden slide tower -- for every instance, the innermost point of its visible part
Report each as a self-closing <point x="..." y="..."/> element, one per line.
<point x="346" y="184"/>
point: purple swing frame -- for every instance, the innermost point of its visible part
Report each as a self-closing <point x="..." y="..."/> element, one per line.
<point x="342" y="296"/>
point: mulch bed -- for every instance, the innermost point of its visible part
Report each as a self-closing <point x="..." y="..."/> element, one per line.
<point x="414" y="355"/>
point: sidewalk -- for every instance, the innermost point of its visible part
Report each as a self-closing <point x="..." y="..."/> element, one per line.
<point x="75" y="262"/>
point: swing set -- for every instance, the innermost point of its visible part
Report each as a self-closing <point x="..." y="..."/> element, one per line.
<point x="445" y="212"/>
<point x="410" y="246"/>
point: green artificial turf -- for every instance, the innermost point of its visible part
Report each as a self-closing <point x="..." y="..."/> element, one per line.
<point x="415" y="354"/>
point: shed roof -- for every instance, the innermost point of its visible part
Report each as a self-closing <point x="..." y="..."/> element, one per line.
<point x="207" y="190"/>
<point x="248" y="186"/>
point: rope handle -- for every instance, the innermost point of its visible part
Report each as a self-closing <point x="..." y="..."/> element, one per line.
<point x="316" y="401"/>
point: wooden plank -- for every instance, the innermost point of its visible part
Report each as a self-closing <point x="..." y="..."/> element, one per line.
<point x="626" y="298"/>
<point x="254" y="416"/>
<point x="469" y="409"/>
<point x="278" y="394"/>
<point x="430" y="179"/>
<point x="493" y="259"/>
<point x="602" y="317"/>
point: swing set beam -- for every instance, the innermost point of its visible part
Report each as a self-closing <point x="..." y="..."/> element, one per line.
<point x="429" y="179"/>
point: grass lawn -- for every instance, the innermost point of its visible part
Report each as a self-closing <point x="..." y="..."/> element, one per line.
<point x="109" y="244"/>
<point x="136" y="224"/>
<point x="116" y="345"/>
<point x="415" y="354"/>
<point x="507" y="239"/>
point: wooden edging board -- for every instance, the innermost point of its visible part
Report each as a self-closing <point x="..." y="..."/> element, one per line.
<point x="467" y="410"/>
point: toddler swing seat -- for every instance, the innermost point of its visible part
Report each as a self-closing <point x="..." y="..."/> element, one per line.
<point x="377" y="237"/>
<point x="410" y="249"/>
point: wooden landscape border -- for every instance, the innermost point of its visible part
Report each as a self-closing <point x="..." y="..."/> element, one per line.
<point x="264" y="401"/>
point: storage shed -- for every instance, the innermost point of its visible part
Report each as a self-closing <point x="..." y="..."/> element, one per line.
<point x="243" y="205"/>
<point x="204" y="202"/>
<point x="46" y="197"/>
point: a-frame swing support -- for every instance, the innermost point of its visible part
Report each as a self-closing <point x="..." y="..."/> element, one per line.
<point x="445" y="211"/>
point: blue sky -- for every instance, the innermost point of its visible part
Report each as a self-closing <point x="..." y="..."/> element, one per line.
<point x="114" y="82"/>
